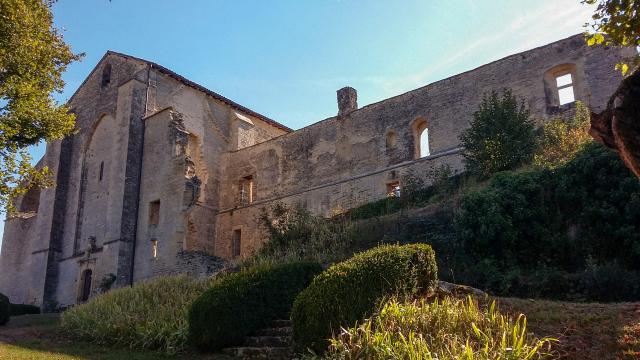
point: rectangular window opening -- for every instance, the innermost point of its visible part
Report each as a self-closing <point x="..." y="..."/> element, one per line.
<point x="154" y="248"/>
<point x="101" y="170"/>
<point x="246" y="190"/>
<point x="393" y="189"/>
<point x="564" y="84"/>
<point x="154" y="212"/>
<point x="236" y="242"/>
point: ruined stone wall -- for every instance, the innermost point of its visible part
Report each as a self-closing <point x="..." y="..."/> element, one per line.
<point x="184" y="140"/>
<point x="301" y="165"/>
<point x="23" y="259"/>
<point x="81" y="205"/>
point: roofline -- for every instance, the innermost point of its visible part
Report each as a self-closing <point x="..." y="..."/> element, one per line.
<point x="203" y="89"/>
<point x="189" y="83"/>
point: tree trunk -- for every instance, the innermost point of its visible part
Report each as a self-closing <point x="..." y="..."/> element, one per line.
<point x="618" y="127"/>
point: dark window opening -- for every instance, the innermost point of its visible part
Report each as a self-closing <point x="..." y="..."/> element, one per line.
<point x="101" y="170"/>
<point x="154" y="212"/>
<point x="236" y="242"/>
<point x="391" y="140"/>
<point x="393" y="189"/>
<point x="106" y="75"/>
<point x="85" y="280"/>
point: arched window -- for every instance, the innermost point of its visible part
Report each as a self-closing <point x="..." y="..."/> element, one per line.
<point x="421" y="138"/>
<point x="561" y="85"/>
<point x="30" y="200"/>
<point x="424" y="143"/>
<point x="391" y="140"/>
<point x="106" y="75"/>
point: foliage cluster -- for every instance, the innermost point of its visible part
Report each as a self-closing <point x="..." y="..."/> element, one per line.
<point x="33" y="56"/>
<point x="238" y="304"/>
<point x="447" y="329"/>
<point x="150" y="315"/>
<point x="562" y="138"/>
<point x="23" y="309"/>
<point x="615" y="22"/>
<point x="5" y="309"/>
<point x="294" y="233"/>
<point x="501" y="135"/>
<point x="351" y="290"/>
<point x="571" y="233"/>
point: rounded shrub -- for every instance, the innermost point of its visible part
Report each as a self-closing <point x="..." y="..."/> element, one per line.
<point x="5" y="309"/>
<point x="350" y="291"/>
<point x="240" y="303"/>
<point x="23" y="309"/>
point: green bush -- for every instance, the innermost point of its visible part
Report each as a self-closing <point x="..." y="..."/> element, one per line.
<point x="151" y="315"/>
<point x="5" y="309"/>
<point x="501" y="135"/>
<point x="588" y="208"/>
<point x="349" y="291"/>
<point x="23" y="309"/>
<point x="238" y="304"/>
<point x="449" y="329"/>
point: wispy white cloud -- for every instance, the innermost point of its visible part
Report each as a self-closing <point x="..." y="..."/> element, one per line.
<point x="548" y="22"/>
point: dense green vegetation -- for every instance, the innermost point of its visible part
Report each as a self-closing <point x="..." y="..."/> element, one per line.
<point x="23" y="309"/>
<point x="5" y="310"/>
<point x="238" y="304"/>
<point x="151" y="315"/>
<point x="501" y="135"/>
<point x="349" y="291"/>
<point x="448" y="329"/>
<point x="561" y="138"/>
<point x="571" y="232"/>
<point x="568" y="233"/>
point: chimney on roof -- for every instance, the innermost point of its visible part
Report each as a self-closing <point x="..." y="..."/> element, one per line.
<point x="347" y="101"/>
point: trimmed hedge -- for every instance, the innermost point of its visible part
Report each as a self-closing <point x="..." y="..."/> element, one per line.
<point x="240" y="303"/>
<point x="4" y="309"/>
<point x="23" y="309"/>
<point x="350" y="291"/>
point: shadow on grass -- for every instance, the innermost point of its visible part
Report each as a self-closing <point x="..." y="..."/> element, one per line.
<point x="38" y="337"/>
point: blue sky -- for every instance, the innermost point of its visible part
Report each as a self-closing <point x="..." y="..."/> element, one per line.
<point x="286" y="58"/>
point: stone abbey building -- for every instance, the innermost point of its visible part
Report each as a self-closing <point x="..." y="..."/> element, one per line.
<point x="165" y="176"/>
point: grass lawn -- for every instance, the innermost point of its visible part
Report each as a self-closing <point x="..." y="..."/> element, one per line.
<point x="585" y="331"/>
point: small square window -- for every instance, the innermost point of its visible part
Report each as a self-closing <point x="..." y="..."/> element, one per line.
<point x="564" y="80"/>
<point x="565" y="95"/>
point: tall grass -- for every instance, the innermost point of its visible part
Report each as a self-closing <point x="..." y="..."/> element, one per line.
<point x="151" y="315"/>
<point x="446" y="329"/>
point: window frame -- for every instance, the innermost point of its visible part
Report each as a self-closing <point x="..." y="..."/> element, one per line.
<point x="566" y="86"/>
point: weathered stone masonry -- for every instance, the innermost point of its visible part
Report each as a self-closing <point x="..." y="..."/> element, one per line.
<point x="164" y="176"/>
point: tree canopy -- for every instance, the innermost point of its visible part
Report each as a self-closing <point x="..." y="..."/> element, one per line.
<point x="501" y="136"/>
<point x="615" y="22"/>
<point x="33" y="56"/>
